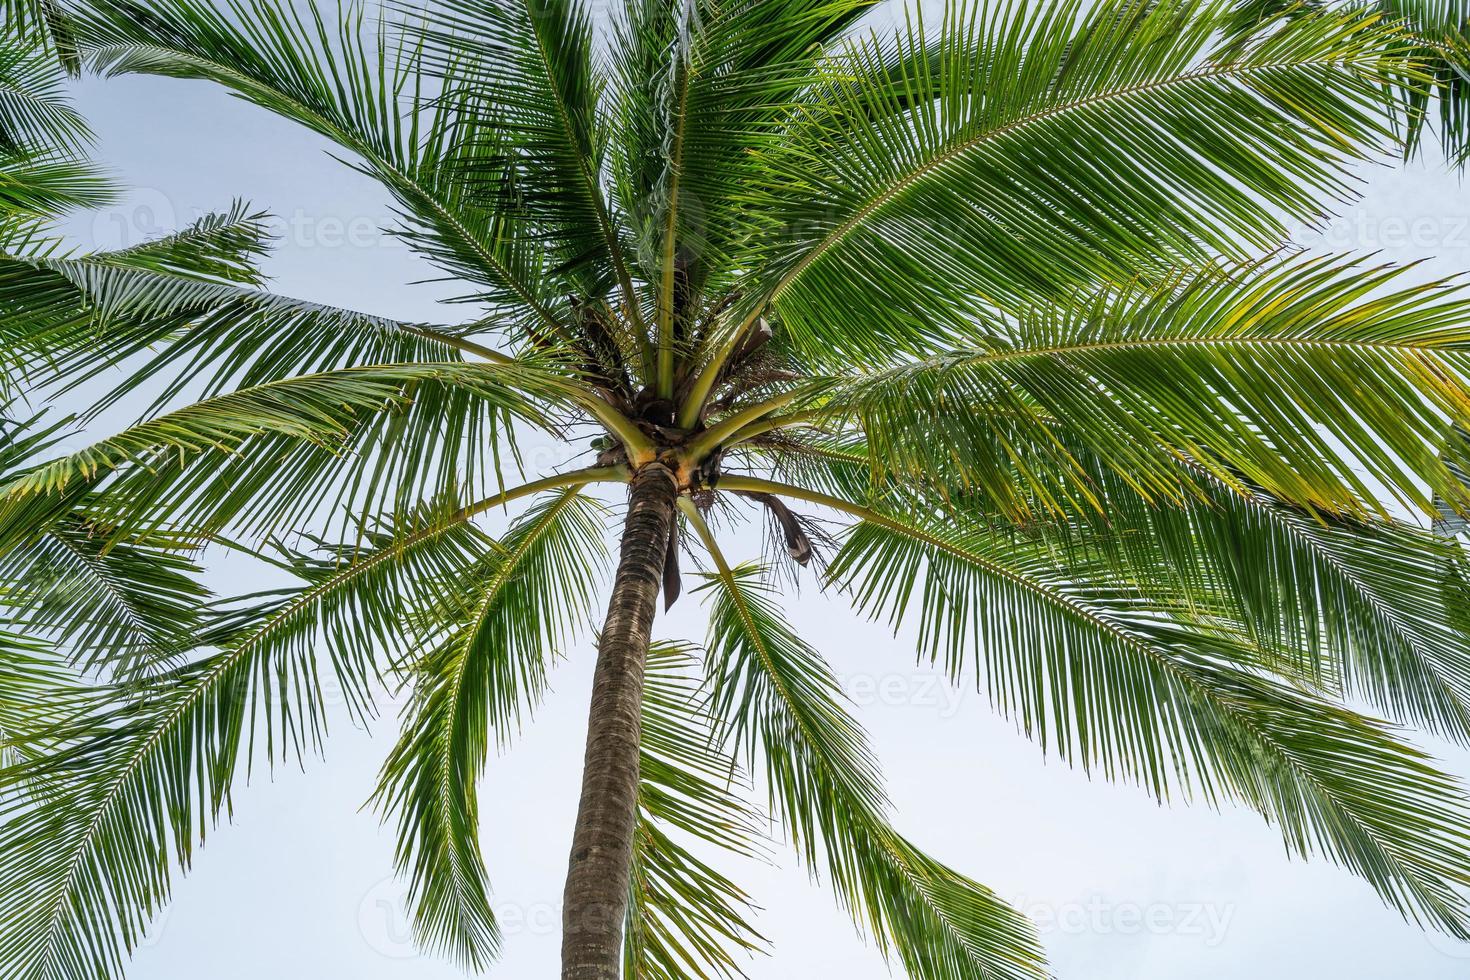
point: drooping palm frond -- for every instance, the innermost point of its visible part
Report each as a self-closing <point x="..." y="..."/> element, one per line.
<point x="128" y="787"/>
<point x="1438" y="32"/>
<point x="132" y="782"/>
<point x="1368" y="610"/>
<point x="1118" y="677"/>
<point x="1362" y="609"/>
<point x="1441" y="33"/>
<point x="79" y="317"/>
<point x="685" y="917"/>
<point x="185" y="302"/>
<point x="997" y="160"/>
<point x="131" y="602"/>
<point x="43" y="169"/>
<point x="775" y="696"/>
<point x="496" y="621"/>
<point x="52" y="322"/>
<point x="1293" y="376"/>
<point x="42" y="24"/>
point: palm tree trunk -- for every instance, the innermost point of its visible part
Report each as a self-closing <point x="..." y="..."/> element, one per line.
<point x="596" y="896"/>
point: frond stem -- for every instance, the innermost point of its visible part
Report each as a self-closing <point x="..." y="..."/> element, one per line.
<point x="460" y="343"/>
<point x="728" y="428"/>
<point x="704" y="381"/>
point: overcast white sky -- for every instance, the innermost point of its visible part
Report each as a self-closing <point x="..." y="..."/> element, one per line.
<point x="300" y="886"/>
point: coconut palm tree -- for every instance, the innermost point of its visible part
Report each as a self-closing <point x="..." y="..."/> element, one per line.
<point x="999" y="290"/>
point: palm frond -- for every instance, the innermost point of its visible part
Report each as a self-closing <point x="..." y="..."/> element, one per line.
<point x="128" y="787"/>
<point x="1438" y="32"/>
<point x="77" y="317"/>
<point x="63" y="312"/>
<point x="697" y="87"/>
<point x="533" y="68"/>
<point x="1362" y="609"/>
<point x="275" y="452"/>
<point x="34" y="107"/>
<point x="36" y="689"/>
<point x="685" y="917"/>
<point x="43" y="168"/>
<point x="1367" y="610"/>
<point x="1441" y="32"/>
<point x="41" y="184"/>
<point x="997" y="160"/>
<point x="1149" y="687"/>
<point x="135" y="777"/>
<point x="131" y="603"/>
<point x="773" y="691"/>
<point x="499" y="622"/>
<point x="353" y="86"/>
<point x="1330" y="385"/>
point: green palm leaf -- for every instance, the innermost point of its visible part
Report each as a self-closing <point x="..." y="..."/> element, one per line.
<point x="134" y="603"/>
<point x="698" y="87"/>
<point x="1114" y="677"/>
<point x="43" y="170"/>
<point x="271" y="450"/>
<point x="42" y="184"/>
<point x="533" y="64"/>
<point x="34" y="108"/>
<point x="36" y="690"/>
<point x="132" y="782"/>
<point x="77" y="317"/>
<point x="1439" y="32"/>
<point x="347" y="83"/>
<point x="1294" y="376"/>
<point x="498" y="619"/>
<point x="774" y="691"/>
<point x="1369" y="610"/>
<point x="901" y="184"/>
<point x="66" y="311"/>
<point x="685" y="917"/>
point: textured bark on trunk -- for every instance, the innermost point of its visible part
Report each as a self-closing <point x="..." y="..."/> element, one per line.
<point x="596" y="896"/>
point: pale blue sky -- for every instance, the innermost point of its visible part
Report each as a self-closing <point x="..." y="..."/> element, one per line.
<point x="300" y="886"/>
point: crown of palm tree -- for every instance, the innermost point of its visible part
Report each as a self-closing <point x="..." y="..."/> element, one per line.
<point x="989" y="286"/>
